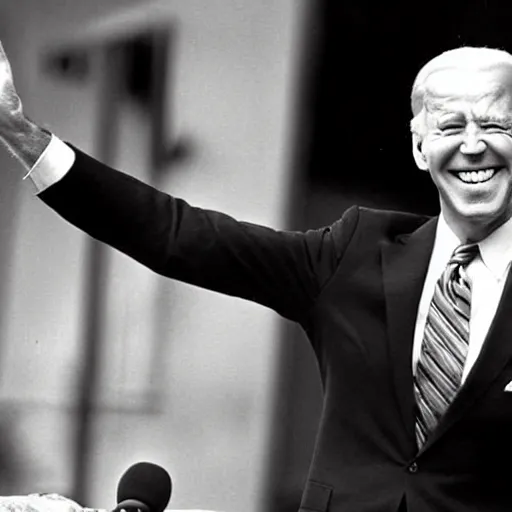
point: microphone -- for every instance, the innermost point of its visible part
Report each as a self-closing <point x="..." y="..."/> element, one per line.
<point x="145" y="487"/>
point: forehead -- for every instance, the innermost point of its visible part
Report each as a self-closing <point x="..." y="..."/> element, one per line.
<point x="473" y="91"/>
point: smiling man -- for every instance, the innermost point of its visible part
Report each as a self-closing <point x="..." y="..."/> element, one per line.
<point x="462" y="135"/>
<point x="409" y="316"/>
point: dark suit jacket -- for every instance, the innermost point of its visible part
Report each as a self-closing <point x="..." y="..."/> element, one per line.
<point x="354" y="287"/>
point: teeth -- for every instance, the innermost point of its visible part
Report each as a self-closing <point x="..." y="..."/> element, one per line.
<point x="476" y="176"/>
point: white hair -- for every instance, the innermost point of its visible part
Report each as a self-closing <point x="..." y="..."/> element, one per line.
<point x="464" y="58"/>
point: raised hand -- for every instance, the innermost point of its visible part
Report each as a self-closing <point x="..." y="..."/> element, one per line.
<point x="10" y="103"/>
<point x="23" y="138"/>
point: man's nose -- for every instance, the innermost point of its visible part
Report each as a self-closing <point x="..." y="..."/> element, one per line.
<point x="473" y="144"/>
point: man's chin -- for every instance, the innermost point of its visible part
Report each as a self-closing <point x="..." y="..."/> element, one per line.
<point x="480" y="218"/>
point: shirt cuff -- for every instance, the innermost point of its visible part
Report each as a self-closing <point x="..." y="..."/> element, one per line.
<point x="53" y="164"/>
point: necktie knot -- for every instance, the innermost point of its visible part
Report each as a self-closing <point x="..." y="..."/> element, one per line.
<point x="464" y="254"/>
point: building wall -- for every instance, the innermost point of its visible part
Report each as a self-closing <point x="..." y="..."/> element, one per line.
<point x="204" y="412"/>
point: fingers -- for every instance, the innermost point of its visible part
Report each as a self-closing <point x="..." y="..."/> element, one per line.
<point x="3" y="56"/>
<point x="10" y="103"/>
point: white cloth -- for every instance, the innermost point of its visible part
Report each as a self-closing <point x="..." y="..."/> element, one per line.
<point x="54" y="503"/>
<point x="52" y="165"/>
<point x="38" y="503"/>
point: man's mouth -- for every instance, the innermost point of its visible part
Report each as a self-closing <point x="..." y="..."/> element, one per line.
<point x="476" y="176"/>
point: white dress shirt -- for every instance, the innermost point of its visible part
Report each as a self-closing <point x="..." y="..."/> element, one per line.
<point x="488" y="271"/>
<point x="53" y="164"/>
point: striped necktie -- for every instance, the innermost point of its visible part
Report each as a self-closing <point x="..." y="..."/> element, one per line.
<point x="445" y="343"/>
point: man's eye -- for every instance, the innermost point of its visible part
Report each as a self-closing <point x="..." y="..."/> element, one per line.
<point x="452" y="127"/>
<point x="495" y="126"/>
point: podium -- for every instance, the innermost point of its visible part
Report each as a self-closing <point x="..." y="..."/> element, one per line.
<point x="56" y="503"/>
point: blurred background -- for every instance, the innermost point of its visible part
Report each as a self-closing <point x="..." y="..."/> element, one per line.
<point x="280" y="112"/>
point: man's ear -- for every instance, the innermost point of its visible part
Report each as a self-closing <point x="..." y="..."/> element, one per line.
<point x="417" y="152"/>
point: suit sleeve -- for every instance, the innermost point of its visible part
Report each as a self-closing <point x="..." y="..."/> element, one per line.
<point x="283" y="270"/>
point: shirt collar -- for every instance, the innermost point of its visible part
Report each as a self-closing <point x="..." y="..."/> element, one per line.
<point x="495" y="249"/>
<point x="445" y="243"/>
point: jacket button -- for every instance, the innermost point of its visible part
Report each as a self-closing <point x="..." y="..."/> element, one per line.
<point x="413" y="468"/>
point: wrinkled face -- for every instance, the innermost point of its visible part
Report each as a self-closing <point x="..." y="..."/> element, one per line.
<point x="467" y="144"/>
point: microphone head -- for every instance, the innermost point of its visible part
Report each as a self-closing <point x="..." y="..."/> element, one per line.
<point x="144" y="483"/>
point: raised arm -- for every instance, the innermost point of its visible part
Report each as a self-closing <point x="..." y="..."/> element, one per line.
<point x="283" y="270"/>
<point x="279" y="269"/>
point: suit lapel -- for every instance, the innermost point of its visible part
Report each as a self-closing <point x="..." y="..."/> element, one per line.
<point x="405" y="263"/>
<point x="495" y="354"/>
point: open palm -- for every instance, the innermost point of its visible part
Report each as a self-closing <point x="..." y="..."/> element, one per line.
<point x="10" y="102"/>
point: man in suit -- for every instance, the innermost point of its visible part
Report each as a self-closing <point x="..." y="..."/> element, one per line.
<point x="409" y="316"/>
